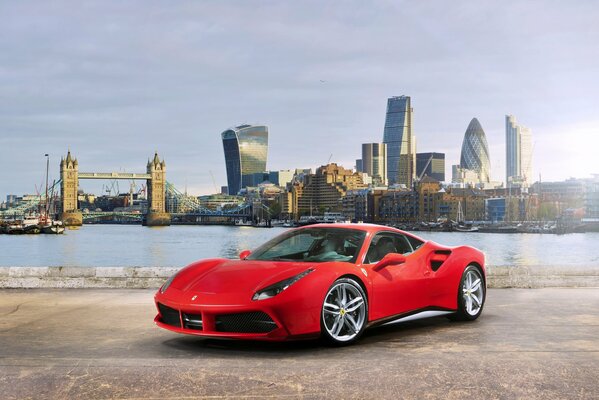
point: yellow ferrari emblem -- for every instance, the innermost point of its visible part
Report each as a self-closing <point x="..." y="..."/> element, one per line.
<point x="342" y="311"/>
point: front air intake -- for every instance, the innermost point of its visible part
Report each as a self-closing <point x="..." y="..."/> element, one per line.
<point x="192" y="321"/>
<point x="170" y="316"/>
<point x="250" y="322"/>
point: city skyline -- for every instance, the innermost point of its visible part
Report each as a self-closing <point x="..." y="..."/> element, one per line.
<point x="117" y="83"/>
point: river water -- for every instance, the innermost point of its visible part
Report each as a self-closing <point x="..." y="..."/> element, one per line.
<point x="174" y="246"/>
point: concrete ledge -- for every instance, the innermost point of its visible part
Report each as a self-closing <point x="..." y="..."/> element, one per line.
<point x="542" y="277"/>
<point x="153" y="277"/>
<point x="84" y="277"/>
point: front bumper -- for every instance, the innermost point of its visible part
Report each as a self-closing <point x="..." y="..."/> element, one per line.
<point x="221" y="323"/>
<point x="253" y="321"/>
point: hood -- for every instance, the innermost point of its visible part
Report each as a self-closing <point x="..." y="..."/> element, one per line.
<point x="243" y="276"/>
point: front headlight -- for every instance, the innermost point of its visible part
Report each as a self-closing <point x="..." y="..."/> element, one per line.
<point x="167" y="283"/>
<point x="275" y="289"/>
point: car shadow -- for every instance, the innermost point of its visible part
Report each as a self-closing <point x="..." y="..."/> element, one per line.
<point x="408" y="332"/>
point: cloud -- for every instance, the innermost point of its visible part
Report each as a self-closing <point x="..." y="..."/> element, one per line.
<point x="116" y="81"/>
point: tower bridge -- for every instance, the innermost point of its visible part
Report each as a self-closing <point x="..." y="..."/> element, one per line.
<point x="155" y="178"/>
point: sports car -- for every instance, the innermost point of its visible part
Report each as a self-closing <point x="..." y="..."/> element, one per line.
<point x="327" y="280"/>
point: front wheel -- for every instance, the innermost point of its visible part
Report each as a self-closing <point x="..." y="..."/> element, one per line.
<point x="471" y="295"/>
<point x="344" y="312"/>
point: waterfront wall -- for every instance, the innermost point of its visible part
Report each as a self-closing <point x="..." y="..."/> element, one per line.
<point x="153" y="277"/>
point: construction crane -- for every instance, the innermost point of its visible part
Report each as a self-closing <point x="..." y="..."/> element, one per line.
<point x="213" y="182"/>
<point x="430" y="159"/>
<point x="329" y="160"/>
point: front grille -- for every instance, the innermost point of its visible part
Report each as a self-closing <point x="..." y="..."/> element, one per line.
<point x="192" y="321"/>
<point x="250" y="322"/>
<point x="170" y="316"/>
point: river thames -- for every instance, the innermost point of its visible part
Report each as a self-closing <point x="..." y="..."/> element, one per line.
<point x="133" y="245"/>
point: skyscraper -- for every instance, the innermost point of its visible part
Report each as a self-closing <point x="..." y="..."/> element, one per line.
<point x="374" y="162"/>
<point x="401" y="144"/>
<point x="475" y="152"/>
<point x="518" y="153"/>
<point x="246" y="149"/>
<point x="431" y="164"/>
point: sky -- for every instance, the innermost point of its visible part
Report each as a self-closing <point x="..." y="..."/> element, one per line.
<point x="116" y="81"/>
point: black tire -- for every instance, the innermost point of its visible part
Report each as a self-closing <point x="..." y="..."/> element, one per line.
<point x="353" y="323"/>
<point x="468" y="308"/>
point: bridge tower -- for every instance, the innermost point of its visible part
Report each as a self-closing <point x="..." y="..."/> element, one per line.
<point x="69" y="175"/>
<point x="157" y="215"/>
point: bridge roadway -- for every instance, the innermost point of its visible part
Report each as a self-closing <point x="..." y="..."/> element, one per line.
<point x="113" y="175"/>
<point x="86" y="344"/>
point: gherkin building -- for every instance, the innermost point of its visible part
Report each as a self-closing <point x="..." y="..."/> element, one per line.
<point x="475" y="151"/>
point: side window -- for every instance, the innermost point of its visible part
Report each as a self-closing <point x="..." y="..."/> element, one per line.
<point x="416" y="243"/>
<point x="384" y="243"/>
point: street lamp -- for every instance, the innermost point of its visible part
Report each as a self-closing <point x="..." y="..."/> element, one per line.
<point x="47" y="204"/>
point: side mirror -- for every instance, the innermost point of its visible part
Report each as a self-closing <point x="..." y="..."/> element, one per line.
<point x="244" y="254"/>
<point x="390" y="259"/>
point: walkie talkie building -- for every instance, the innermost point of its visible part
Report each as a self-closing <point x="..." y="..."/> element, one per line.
<point x="246" y="149"/>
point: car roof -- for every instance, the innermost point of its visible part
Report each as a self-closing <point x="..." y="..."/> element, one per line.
<point x="362" y="227"/>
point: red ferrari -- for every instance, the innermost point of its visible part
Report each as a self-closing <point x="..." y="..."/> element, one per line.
<point x="330" y="280"/>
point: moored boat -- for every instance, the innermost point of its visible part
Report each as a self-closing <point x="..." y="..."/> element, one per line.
<point x="32" y="229"/>
<point x="53" y="229"/>
<point x="461" y="228"/>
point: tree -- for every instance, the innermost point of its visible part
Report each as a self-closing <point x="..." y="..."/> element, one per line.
<point x="274" y="210"/>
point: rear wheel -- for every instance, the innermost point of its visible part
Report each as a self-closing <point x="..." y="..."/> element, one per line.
<point x="471" y="295"/>
<point x="344" y="312"/>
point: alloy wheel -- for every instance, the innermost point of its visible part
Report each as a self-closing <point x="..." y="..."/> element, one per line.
<point x="344" y="311"/>
<point x="473" y="292"/>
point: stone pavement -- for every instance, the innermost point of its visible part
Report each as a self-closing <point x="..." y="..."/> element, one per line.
<point x="102" y="343"/>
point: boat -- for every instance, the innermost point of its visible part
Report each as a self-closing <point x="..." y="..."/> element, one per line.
<point x="54" y="228"/>
<point x="46" y="224"/>
<point x="31" y="220"/>
<point x="462" y="228"/>
<point x="262" y="224"/>
<point x="499" y="229"/>
<point x="310" y="220"/>
<point x="32" y="229"/>
<point x="14" y="229"/>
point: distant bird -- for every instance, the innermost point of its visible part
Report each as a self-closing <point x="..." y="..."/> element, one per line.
<point x="321" y="81"/>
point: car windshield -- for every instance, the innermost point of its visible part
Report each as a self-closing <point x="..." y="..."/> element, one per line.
<point x="312" y="244"/>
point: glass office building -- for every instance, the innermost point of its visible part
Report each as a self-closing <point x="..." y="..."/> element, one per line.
<point x="374" y="162"/>
<point x="431" y="164"/>
<point x="475" y="152"/>
<point x="401" y="144"/>
<point x="518" y="157"/>
<point x="246" y="148"/>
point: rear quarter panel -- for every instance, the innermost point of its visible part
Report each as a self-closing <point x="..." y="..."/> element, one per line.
<point x="444" y="283"/>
